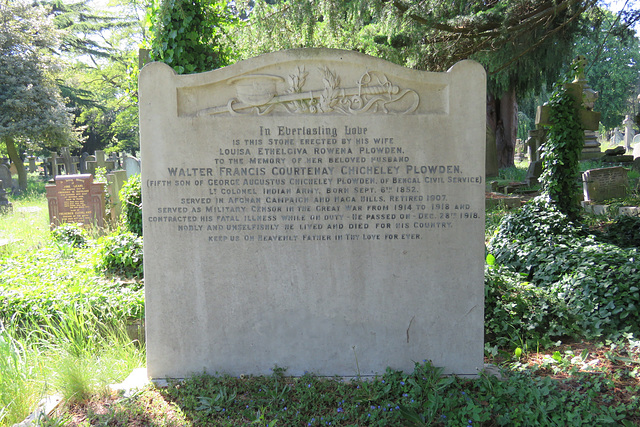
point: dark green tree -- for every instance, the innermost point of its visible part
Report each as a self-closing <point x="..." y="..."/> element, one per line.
<point x="613" y="51"/>
<point x="81" y="28"/>
<point x="100" y="83"/>
<point x="522" y="44"/>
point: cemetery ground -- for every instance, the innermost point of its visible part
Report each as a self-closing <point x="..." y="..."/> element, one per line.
<point x="561" y="321"/>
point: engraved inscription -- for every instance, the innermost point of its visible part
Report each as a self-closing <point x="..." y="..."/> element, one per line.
<point x="315" y="183"/>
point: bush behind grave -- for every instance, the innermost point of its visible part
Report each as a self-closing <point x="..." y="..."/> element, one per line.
<point x="121" y="254"/>
<point x="131" y="199"/>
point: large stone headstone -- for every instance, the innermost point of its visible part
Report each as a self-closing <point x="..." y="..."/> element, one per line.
<point x="319" y="210"/>
<point x="75" y="199"/>
<point x="605" y="183"/>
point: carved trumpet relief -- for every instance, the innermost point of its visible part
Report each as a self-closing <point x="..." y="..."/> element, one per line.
<point x="263" y="94"/>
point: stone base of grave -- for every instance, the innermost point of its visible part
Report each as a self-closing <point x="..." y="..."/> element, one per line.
<point x="496" y="199"/>
<point x="604" y="209"/>
<point x="136" y="380"/>
<point x="590" y="155"/>
<point x="617" y="159"/>
<point x="45" y="407"/>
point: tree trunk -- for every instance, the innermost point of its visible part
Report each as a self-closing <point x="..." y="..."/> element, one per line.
<point x="502" y="119"/>
<point x="16" y="160"/>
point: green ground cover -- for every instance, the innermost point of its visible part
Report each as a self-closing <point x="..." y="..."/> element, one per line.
<point x="561" y="328"/>
<point x="63" y="316"/>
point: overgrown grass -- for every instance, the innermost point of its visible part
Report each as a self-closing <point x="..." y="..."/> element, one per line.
<point x="76" y="358"/>
<point x="27" y="226"/>
<point x="515" y="173"/>
<point x="63" y="323"/>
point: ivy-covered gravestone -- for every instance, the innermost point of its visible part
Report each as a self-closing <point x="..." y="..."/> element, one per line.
<point x="583" y="100"/>
<point x="566" y="116"/>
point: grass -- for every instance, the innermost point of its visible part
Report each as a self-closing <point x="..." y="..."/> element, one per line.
<point x="581" y="385"/>
<point x="62" y="322"/>
<point x="64" y="333"/>
<point x="28" y="224"/>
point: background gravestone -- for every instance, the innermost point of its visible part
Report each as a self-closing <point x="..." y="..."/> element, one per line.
<point x="5" y="177"/>
<point x="131" y="165"/>
<point x="605" y="183"/>
<point x="75" y="199"/>
<point x="98" y="161"/>
<point x="5" y="204"/>
<point x="301" y="209"/>
<point x="115" y="181"/>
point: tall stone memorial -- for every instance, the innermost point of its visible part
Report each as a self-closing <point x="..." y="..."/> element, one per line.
<point x="319" y="210"/>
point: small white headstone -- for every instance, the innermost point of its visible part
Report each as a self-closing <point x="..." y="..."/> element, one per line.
<point x="131" y="165"/>
<point x="628" y="133"/>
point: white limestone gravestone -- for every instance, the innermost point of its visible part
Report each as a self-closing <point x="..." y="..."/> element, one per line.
<point x="301" y="210"/>
<point x="131" y="165"/>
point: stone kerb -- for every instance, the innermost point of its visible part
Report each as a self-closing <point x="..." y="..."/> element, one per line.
<point x="301" y="209"/>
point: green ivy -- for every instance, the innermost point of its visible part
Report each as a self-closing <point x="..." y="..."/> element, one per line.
<point x="131" y="199"/>
<point x="70" y="234"/>
<point x="188" y="35"/>
<point x="624" y="231"/>
<point x="564" y="281"/>
<point x="561" y="152"/>
<point x="121" y="254"/>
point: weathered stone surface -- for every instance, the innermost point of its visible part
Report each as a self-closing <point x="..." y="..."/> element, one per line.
<point x="5" y="204"/>
<point x="115" y="181"/>
<point x="131" y="165"/>
<point x="617" y="151"/>
<point x="317" y="209"/>
<point x="5" y="177"/>
<point x="617" y="159"/>
<point x="605" y="183"/>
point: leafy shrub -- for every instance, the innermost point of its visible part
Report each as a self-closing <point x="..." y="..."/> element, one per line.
<point x="590" y="284"/>
<point x="121" y="253"/>
<point x="624" y="232"/>
<point x="52" y="283"/>
<point x="70" y="234"/>
<point x="516" y="311"/>
<point x="131" y="197"/>
<point x="537" y="230"/>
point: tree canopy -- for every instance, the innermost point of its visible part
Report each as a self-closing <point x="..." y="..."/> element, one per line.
<point x="100" y="82"/>
<point x="614" y="65"/>
<point x="31" y="108"/>
<point x="521" y="43"/>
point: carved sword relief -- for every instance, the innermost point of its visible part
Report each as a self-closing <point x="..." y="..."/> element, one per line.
<point x="257" y="94"/>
